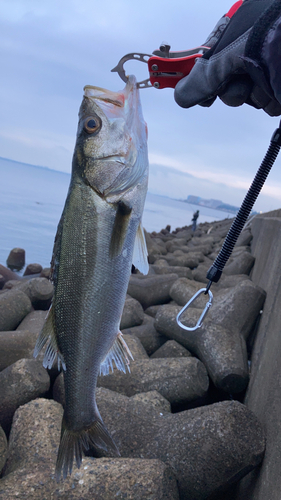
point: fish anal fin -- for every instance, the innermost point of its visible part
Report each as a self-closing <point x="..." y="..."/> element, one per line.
<point x="120" y="354"/>
<point x="52" y="350"/>
<point x="74" y="444"/>
<point x="140" y="253"/>
<point x="120" y="227"/>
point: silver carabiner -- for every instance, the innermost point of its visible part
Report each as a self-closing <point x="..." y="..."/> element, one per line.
<point x="204" y="313"/>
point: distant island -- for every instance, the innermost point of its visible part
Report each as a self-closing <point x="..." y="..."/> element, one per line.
<point x="215" y="204"/>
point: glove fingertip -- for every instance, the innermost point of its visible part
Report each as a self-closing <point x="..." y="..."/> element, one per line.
<point x="181" y="96"/>
<point x="208" y="102"/>
<point x="187" y="99"/>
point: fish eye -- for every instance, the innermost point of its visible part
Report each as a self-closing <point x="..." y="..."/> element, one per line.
<point x="92" y="125"/>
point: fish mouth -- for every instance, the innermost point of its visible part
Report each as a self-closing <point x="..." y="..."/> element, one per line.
<point x="116" y="98"/>
<point x="104" y="95"/>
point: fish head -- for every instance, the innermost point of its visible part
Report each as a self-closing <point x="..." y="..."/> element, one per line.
<point x="111" y="147"/>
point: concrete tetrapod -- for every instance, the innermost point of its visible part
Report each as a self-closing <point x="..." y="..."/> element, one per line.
<point x="14" y="306"/>
<point x="179" y="380"/>
<point x="222" y="351"/>
<point x="208" y="448"/>
<point x="29" y="472"/>
<point x="20" y="382"/>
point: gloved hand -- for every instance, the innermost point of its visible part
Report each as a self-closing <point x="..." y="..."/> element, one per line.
<point x="244" y="62"/>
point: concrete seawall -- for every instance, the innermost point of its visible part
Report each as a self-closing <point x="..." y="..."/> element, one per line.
<point x="263" y="395"/>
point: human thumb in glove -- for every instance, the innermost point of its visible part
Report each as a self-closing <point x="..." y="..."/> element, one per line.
<point x="243" y="64"/>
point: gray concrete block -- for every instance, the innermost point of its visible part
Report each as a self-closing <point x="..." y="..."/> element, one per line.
<point x="154" y="399"/>
<point x="184" y="289"/>
<point x="16" y="345"/>
<point x="178" y="380"/>
<point x="16" y="259"/>
<point x="31" y="463"/>
<point x="263" y="394"/>
<point x="132" y="314"/>
<point x="135" y="346"/>
<point x="33" y="322"/>
<point x="3" y="450"/>
<point x="171" y="349"/>
<point x="20" y="383"/>
<point x="182" y="272"/>
<point x="241" y="264"/>
<point x="6" y="275"/>
<point x="151" y="290"/>
<point x="208" y="448"/>
<point x="238" y="308"/>
<point x="174" y="244"/>
<point x="14" y="306"/>
<point x="182" y="260"/>
<point x="159" y="263"/>
<point x="146" y="333"/>
<point x="32" y="269"/>
<point x="100" y="479"/>
<point x="39" y="290"/>
<point x="160" y="243"/>
<point x="154" y="251"/>
<point x="245" y="237"/>
<point x="222" y="351"/>
<point x="152" y="310"/>
<point x="183" y="233"/>
<point x="204" y="248"/>
<point x="200" y="273"/>
<point x="229" y="281"/>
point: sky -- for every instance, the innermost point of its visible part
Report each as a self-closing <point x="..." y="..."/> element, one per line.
<point x="51" y="49"/>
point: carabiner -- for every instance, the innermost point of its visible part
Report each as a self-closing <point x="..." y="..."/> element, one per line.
<point x="204" y="313"/>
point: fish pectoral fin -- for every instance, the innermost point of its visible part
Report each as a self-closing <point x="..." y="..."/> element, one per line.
<point x="140" y="252"/>
<point x="52" y="351"/>
<point x="74" y="443"/>
<point x="120" y="354"/>
<point x="120" y="227"/>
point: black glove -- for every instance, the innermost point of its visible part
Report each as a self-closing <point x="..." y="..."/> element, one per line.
<point x="243" y="64"/>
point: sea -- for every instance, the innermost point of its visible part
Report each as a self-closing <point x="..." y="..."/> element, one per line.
<point x="32" y="199"/>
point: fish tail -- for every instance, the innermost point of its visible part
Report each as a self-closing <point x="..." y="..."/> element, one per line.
<point x="73" y="444"/>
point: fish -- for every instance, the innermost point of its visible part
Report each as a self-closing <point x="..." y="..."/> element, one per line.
<point x="99" y="237"/>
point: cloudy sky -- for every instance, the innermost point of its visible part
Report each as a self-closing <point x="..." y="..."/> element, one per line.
<point x="51" y="49"/>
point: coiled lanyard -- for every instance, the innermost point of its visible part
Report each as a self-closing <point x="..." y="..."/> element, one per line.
<point x="215" y="271"/>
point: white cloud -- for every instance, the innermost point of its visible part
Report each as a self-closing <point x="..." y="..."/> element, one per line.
<point x="166" y="161"/>
<point x="232" y="180"/>
<point x="37" y="139"/>
<point x="50" y="50"/>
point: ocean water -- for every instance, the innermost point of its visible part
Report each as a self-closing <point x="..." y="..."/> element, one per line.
<point x="32" y="199"/>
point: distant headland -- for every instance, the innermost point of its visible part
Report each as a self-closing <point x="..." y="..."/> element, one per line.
<point x="215" y="204"/>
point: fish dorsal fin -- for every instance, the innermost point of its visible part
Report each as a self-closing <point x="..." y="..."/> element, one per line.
<point x="120" y="354"/>
<point x="140" y="252"/>
<point x="52" y="351"/>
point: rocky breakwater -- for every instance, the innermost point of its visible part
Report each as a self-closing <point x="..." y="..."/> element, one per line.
<point x="178" y="417"/>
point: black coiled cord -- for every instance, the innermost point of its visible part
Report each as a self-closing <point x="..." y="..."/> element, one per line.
<point x="215" y="271"/>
